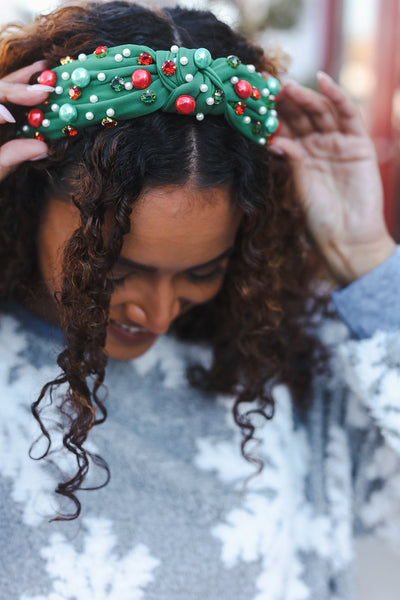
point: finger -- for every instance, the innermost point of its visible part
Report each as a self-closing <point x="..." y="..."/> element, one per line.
<point x="345" y="108"/>
<point x="18" y="151"/>
<point x="317" y="108"/>
<point x="20" y="93"/>
<point x="296" y="120"/>
<point x="23" y="75"/>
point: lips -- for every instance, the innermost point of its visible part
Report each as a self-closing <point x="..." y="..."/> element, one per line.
<point x="129" y="333"/>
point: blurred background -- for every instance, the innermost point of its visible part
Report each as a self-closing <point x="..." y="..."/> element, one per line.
<point x="355" y="41"/>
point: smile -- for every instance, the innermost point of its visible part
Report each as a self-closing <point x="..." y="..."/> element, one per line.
<point x="129" y="334"/>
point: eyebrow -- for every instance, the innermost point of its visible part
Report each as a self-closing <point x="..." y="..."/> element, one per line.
<point x="126" y="262"/>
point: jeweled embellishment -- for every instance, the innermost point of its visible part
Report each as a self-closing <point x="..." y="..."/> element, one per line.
<point x="66" y="60"/>
<point x="35" y="117"/>
<point x="185" y="104"/>
<point x="256" y="94"/>
<point x="218" y="96"/>
<point x="117" y="84"/>
<point x="239" y="107"/>
<point x="69" y="131"/>
<point x="148" y="97"/>
<point x="256" y="127"/>
<point x="141" y="79"/>
<point x="80" y="77"/>
<point x="67" y="113"/>
<point x="273" y="85"/>
<point x="109" y="123"/>
<point x="47" y="77"/>
<point x="233" y="61"/>
<point x="202" y="58"/>
<point x="38" y="136"/>
<point x="74" y="92"/>
<point x="101" y="51"/>
<point x="243" y="89"/>
<point x="168" y="68"/>
<point x="145" y="59"/>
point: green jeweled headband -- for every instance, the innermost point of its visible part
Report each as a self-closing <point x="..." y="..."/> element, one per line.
<point x="129" y="81"/>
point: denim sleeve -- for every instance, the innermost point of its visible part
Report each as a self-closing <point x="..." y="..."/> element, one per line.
<point x="372" y="302"/>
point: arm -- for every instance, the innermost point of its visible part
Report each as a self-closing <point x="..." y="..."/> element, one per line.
<point x="372" y="302"/>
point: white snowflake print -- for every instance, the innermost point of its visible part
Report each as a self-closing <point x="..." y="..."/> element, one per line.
<point x="98" y="571"/>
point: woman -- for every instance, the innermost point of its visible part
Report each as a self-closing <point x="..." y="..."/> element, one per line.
<point x="115" y="232"/>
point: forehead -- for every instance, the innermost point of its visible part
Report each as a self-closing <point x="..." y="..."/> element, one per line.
<point x="181" y="224"/>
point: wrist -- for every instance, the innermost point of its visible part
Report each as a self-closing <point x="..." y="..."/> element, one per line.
<point x="359" y="261"/>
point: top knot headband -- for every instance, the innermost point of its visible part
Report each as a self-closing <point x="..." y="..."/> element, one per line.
<point x="129" y="81"/>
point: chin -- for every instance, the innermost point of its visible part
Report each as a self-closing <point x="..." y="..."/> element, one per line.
<point x="125" y="351"/>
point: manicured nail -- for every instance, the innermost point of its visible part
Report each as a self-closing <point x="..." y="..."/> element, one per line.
<point x="5" y="113"/>
<point x="275" y="149"/>
<point x="44" y="155"/>
<point x="37" y="87"/>
<point x="323" y="75"/>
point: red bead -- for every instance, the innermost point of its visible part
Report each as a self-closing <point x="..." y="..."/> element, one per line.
<point x="35" y="117"/>
<point x="101" y="51"/>
<point x="69" y="131"/>
<point x="243" y="89"/>
<point x="185" y="105"/>
<point x="47" y="77"/>
<point x="256" y="93"/>
<point x="141" y="79"/>
<point x="145" y="59"/>
<point x="240" y="107"/>
<point x="39" y="136"/>
<point x="74" y="92"/>
<point x="169" y="68"/>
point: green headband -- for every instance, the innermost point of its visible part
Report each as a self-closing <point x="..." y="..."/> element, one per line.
<point x="129" y="81"/>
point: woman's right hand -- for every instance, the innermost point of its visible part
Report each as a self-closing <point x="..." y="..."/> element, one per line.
<point x="14" y="88"/>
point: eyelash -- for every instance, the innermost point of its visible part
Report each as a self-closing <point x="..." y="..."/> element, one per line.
<point x="211" y="276"/>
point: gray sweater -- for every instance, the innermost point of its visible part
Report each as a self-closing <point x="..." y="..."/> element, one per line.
<point x="176" y="521"/>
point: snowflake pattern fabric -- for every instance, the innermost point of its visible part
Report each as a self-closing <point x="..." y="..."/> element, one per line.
<point x="177" y="521"/>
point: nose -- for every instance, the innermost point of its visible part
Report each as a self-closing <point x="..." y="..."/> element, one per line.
<point x="159" y="306"/>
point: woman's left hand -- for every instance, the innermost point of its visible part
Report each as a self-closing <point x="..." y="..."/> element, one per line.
<point x="336" y="175"/>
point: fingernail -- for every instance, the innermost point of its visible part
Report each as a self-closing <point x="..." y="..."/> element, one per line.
<point x="323" y="75"/>
<point x="5" y="113"/>
<point x="275" y="149"/>
<point x="38" y="87"/>
<point x="44" y="155"/>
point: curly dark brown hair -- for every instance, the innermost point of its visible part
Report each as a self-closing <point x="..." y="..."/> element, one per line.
<point x="259" y="326"/>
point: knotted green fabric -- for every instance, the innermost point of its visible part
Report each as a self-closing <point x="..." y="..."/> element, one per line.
<point x="100" y="88"/>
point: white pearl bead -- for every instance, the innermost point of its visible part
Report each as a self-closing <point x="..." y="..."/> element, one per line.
<point x="251" y="68"/>
<point x="262" y="141"/>
<point x="273" y="113"/>
<point x="247" y="120"/>
<point x="93" y="98"/>
<point x="110" y="112"/>
<point x="46" y="123"/>
<point x="126" y="52"/>
<point x="210" y="101"/>
<point x="55" y="107"/>
<point x="59" y="89"/>
<point x="118" y="57"/>
<point x="65" y="75"/>
<point x="128" y="85"/>
<point x="101" y="76"/>
<point x="184" y="60"/>
<point x="234" y="79"/>
<point x="82" y="56"/>
<point x="89" y="115"/>
<point x="200" y="116"/>
<point x="189" y="77"/>
<point x="25" y="128"/>
<point x="174" y="48"/>
<point x="262" y="110"/>
<point x="204" y="87"/>
<point x="265" y="92"/>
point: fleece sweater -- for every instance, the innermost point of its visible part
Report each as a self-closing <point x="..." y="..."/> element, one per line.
<point x="180" y="518"/>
